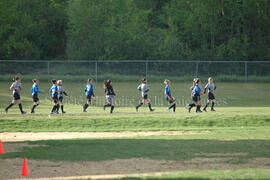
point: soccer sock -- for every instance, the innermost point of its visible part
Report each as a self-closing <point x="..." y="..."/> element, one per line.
<point x="9" y="106"/>
<point x="62" y="108"/>
<point x="171" y="106"/>
<point x="107" y="105"/>
<point x="20" y="106"/>
<point x="85" y="107"/>
<point x="149" y="105"/>
<point x="57" y="108"/>
<point x="139" y="105"/>
<point x="198" y="108"/>
<point x="112" y="108"/>
<point x="206" y="105"/>
<point x="54" y="108"/>
<point x="191" y="105"/>
<point x="213" y="104"/>
<point x="174" y="107"/>
<point x="33" y="108"/>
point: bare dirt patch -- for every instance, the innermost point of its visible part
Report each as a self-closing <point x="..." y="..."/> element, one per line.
<point x="118" y="167"/>
<point x="17" y="147"/>
<point x="31" y="136"/>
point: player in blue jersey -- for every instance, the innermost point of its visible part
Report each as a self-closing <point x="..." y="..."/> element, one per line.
<point x="168" y="95"/>
<point x="35" y="91"/>
<point x="54" y="93"/>
<point x="196" y="96"/>
<point x="89" y="93"/>
<point x="16" y="88"/>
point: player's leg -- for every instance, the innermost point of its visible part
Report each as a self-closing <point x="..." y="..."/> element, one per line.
<point x="108" y="97"/>
<point x="36" y="103"/>
<point x="112" y="101"/>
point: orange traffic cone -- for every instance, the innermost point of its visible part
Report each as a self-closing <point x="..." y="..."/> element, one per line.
<point x="1" y="148"/>
<point x="25" y="168"/>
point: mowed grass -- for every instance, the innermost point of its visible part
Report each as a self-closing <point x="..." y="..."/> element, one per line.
<point x="127" y="119"/>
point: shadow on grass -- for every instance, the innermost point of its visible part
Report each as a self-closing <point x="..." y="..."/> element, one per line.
<point x="235" y="152"/>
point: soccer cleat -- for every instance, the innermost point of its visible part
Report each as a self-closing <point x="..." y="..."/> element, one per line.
<point x="137" y="108"/>
<point x="32" y="112"/>
<point x="151" y="110"/>
<point x="204" y="110"/>
<point x="6" y="110"/>
<point x="64" y="112"/>
<point x="213" y="110"/>
<point x="23" y="112"/>
<point x="84" y="110"/>
<point x="199" y="111"/>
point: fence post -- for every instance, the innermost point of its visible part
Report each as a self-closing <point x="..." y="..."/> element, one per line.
<point x="197" y="68"/>
<point x="96" y="69"/>
<point x="146" y="68"/>
<point x="246" y="78"/>
<point x="48" y="70"/>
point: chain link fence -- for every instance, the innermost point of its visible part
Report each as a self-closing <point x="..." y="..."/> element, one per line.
<point x="128" y="70"/>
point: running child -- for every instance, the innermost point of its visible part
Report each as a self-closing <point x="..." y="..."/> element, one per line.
<point x="54" y="92"/>
<point x="35" y="91"/>
<point x="196" y="96"/>
<point x="110" y="95"/>
<point x="168" y="95"/>
<point x="16" y="87"/>
<point x="89" y="93"/>
<point x="61" y="93"/>
<point x="210" y="88"/>
<point x="144" y="92"/>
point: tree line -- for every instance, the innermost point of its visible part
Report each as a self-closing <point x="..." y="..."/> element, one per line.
<point x="135" y="29"/>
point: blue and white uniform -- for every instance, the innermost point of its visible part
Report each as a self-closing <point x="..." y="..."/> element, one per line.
<point x="35" y="91"/>
<point x="168" y="94"/>
<point x="89" y="91"/>
<point x="54" y="93"/>
<point x="196" y="93"/>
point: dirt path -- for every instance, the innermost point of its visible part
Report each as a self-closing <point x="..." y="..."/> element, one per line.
<point x="30" y="136"/>
<point x="109" y="169"/>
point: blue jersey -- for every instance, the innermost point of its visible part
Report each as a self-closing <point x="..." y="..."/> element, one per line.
<point x="196" y="90"/>
<point x="35" y="89"/>
<point x="54" y="90"/>
<point x="167" y="91"/>
<point x="89" y="90"/>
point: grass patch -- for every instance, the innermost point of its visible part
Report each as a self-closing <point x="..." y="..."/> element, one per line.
<point x="125" y="119"/>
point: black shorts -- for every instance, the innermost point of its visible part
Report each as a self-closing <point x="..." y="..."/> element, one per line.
<point x="145" y="96"/>
<point x="55" y="99"/>
<point x="16" y="96"/>
<point x="35" y="98"/>
<point x="61" y="98"/>
<point x="211" y="96"/>
<point x="170" y="100"/>
<point x="89" y="97"/>
<point x="196" y="98"/>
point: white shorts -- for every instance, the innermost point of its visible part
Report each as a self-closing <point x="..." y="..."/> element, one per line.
<point x="110" y="98"/>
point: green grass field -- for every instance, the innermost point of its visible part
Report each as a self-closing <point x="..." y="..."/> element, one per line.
<point x="231" y="143"/>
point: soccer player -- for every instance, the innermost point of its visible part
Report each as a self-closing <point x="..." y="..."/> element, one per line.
<point x="168" y="95"/>
<point x="196" y="96"/>
<point x="54" y="92"/>
<point x="89" y="93"/>
<point x="16" y="87"/>
<point x="210" y="88"/>
<point x="35" y="91"/>
<point x="110" y="95"/>
<point x="61" y="93"/>
<point x="143" y="87"/>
